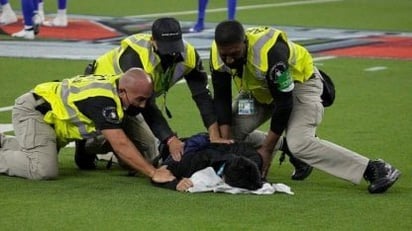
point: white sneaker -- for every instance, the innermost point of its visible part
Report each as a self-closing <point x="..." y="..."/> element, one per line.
<point x="26" y="34"/>
<point x="58" y="21"/>
<point x="8" y="18"/>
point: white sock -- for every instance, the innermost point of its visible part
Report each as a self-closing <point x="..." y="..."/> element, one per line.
<point x="61" y="13"/>
<point x="41" y="6"/>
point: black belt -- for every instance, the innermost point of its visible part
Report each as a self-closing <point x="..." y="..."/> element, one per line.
<point x="312" y="76"/>
<point x="43" y="107"/>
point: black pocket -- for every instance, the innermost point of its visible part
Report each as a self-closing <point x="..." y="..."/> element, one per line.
<point x="328" y="94"/>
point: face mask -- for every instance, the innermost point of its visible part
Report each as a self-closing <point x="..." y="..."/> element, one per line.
<point x="171" y="58"/>
<point x="133" y="111"/>
<point x="238" y="63"/>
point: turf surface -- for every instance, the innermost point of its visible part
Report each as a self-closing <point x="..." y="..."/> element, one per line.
<point x="371" y="115"/>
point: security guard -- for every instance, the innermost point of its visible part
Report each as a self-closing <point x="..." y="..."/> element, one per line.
<point x="56" y="113"/>
<point x="277" y="80"/>
<point x="167" y="58"/>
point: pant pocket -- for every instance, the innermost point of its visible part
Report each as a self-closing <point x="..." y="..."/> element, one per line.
<point x="32" y="133"/>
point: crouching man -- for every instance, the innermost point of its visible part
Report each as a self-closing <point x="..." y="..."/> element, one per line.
<point x="56" y="113"/>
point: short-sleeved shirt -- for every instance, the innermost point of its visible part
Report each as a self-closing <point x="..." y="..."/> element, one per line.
<point x="102" y="111"/>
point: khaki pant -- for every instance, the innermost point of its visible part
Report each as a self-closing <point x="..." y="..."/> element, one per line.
<point x="32" y="152"/>
<point x="300" y="133"/>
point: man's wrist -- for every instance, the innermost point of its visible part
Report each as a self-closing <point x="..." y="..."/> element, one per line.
<point x="170" y="139"/>
<point x="152" y="173"/>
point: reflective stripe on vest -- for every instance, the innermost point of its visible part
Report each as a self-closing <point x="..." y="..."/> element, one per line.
<point x="115" y="64"/>
<point x="141" y="43"/>
<point x="260" y="41"/>
<point x="74" y="119"/>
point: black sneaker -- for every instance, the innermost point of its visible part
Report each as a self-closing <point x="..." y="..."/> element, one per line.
<point x="302" y="170"/>
<point x="381" y="176"/>
<point x="84" y="160"/>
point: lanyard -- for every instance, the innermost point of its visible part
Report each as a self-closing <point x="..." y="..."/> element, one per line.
<point x="166" y="80"/>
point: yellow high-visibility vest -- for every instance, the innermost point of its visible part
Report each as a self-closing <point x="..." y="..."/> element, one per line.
<point x="69" y="123"/>
<point x="260" y="41"/>
<point x="140" y="43"/>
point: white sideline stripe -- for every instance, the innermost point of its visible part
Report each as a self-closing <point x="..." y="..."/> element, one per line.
<point x="248" y="7"/>
<point x="378" y="68"/>
<point x="323" y="58"/>
<point x="2" y="109"/>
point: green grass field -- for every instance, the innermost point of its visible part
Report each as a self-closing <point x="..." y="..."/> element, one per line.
<point x="372" y="115"/>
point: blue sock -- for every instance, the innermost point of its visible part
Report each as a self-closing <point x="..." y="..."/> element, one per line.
<point x="4" y="2"/>
<point x="231" y="9"/>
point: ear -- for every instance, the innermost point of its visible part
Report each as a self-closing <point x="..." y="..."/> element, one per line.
<point x="153" y="42"/>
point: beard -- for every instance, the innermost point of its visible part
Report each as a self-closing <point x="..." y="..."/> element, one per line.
<point x="171" y="58"/>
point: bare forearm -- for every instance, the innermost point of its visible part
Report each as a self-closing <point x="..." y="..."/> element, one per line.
<point x="270" y="141"/>
<point x="127" y="152"/>
<point x="214" y="132"/>
<point x="225" y="131"/>
<point x="134" y="159"/>
<point x="216" y="137"/>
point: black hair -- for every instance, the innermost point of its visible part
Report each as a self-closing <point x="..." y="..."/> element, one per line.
<point x="229" y="32"/>
<point x="242" y="173"/>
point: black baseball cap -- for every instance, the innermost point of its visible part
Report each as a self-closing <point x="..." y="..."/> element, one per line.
<point x="168" y="35"/>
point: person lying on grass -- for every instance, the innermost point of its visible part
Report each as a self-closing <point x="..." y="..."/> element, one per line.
<point x="238" y="164"/>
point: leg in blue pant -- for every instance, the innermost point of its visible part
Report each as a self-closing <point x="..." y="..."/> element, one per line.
<point x="202" y="5"/>
<point x="231" y="9"/>
<point x="31" y="25"/>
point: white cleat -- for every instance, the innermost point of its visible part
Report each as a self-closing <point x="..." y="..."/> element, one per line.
<point x="58" y="21"/>
<point x="26" y="34"/>
<point x="8" y="18"/>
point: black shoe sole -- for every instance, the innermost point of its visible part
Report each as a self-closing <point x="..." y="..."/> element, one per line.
<point x="382" y="185"/>
<point x="303" y="174"/>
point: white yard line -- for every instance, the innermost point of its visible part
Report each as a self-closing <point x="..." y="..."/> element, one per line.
<point x="8" y="108"/>
<point x="378" y="68"/>
<point x="248" y="7"/>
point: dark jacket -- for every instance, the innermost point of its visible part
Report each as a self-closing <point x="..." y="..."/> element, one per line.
<point x="207" y="155"/>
